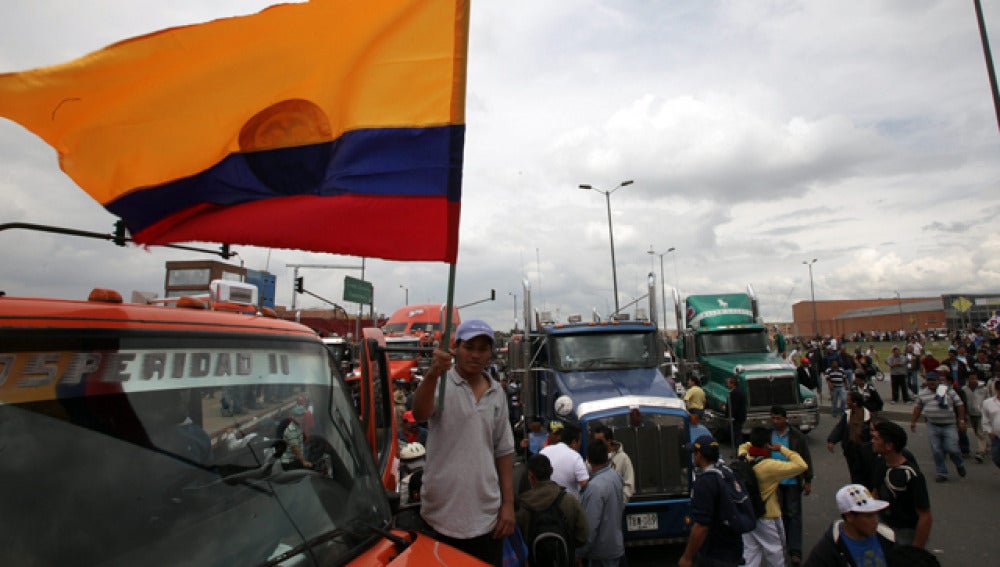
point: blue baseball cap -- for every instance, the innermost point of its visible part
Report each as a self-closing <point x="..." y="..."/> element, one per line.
<point x="473" y="328"/>
<point x="707" y="446"/>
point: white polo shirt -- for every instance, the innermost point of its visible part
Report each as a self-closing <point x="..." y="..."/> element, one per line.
<point x="568" y="468"/>
<point x="461" y="496"/>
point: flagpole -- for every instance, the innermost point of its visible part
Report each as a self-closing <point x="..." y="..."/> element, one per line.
<point x="994" y="91"/>
<point x="446" y="332"/>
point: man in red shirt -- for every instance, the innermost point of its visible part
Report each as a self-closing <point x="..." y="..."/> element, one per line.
<point x="411" y="432"/>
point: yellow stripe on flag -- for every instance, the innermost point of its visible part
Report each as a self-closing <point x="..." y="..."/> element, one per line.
<point x="167" y="105"/>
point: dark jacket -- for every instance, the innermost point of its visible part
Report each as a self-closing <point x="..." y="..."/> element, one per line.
<point x="541" y="497"/>
<point x="872" y="399"/>
<point x="737" y="408"/>
<point x="831" y="551"/>
<point x="797" y="443"/>
<point x="840" y="433"/>
<point x="806" y="376"/>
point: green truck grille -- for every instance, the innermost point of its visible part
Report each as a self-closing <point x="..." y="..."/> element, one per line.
<point x="772" y="391"/>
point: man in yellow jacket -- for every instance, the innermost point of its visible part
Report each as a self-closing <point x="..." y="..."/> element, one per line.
<point x="694" y="398"/>
<point x="767" y="540"/>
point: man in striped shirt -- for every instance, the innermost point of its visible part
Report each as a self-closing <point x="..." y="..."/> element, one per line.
<point x="835" y="382"/>
<point x="939" y="406"/>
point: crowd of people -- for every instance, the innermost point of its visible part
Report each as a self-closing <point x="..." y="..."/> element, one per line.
<point x="951" y="395"/>
<point x="571" y="505"/>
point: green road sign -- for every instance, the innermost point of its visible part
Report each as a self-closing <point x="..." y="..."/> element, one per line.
<point x="357" y="291"/>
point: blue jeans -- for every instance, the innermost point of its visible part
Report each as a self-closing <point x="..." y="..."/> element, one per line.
<point x="911" y="381"/>
<point x="944" y="442"/>
<point x="791" y="516"/>
<point x="995" y="450"/>
<point x="838" y="401"/>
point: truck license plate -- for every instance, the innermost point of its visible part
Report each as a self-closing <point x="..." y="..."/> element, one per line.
<point x="641" y="522"/>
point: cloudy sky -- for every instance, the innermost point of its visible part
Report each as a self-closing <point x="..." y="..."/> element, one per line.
<point x="758" y="135"/>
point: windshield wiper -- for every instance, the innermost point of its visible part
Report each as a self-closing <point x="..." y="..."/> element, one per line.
<point x="307" y="545"/>
<point x="400" y="543"/>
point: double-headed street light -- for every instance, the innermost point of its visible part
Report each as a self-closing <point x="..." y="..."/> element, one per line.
<point x="611" y="233"/>
<point x="663" y="283"/>
<point x="812" y="294"/>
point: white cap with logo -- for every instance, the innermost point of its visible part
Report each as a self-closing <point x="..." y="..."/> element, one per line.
<point x="856" y="498"/>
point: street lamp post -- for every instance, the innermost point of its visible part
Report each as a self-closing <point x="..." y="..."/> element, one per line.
<point x="663" y="282"/>
<point x="812" y="293"/>
<point x="611" y="233"/>
<point x="406" y="294"/>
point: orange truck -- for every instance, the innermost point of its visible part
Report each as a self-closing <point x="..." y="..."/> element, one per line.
<point x="116" y="449"/>
<point x="409" y="334"/>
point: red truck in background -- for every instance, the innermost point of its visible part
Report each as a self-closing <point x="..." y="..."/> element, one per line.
<point x="410" y="329"/>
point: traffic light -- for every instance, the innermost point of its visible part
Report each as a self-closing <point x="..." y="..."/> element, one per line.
<point x="299" y="284"/>
<point x="120" y="237"/>
<point x="224" y="251"/>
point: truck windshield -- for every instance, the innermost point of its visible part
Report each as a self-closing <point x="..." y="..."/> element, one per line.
<point x="127" y="448"/>
<point x="402" y="354"/>
<point x="732" y="342"/>
<point x="602" y="351"/>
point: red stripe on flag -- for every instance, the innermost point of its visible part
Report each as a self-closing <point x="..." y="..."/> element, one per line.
<point x="393" y="228"/>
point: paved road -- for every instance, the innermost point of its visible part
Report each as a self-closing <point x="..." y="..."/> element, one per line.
<point x="965" y="511"/>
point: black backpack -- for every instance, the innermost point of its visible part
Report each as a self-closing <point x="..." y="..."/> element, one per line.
<point x="549" y="542"/>
<point x="735" y="508"/>
<point x="743" y="469"/>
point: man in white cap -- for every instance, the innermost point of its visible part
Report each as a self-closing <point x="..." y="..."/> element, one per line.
<point x="467" y="497"/>
<point x="857" y="538"/>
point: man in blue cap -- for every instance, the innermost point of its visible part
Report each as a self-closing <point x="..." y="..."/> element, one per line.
<point x="467" y="497"/>
<point x="711" y="542"/>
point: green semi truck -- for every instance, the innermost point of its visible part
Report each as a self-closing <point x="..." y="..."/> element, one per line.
<point x="722" y="335"/>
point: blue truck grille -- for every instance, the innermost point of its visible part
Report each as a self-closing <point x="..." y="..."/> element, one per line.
<point x="656" y="448"/>
<point x="772" y="391"/>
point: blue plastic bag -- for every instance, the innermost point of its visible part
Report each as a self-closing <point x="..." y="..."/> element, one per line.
<point x="515" y="551"/>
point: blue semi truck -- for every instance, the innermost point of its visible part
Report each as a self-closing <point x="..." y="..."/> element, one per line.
<point x="611" y="372"/>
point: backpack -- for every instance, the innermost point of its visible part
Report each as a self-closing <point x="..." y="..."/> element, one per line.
<point x="549" y="540"/>
<point x="735" y="505"/>
<point x="743" y="469"/>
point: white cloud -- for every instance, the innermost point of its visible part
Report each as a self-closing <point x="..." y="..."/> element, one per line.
<point x="758" y="134"/>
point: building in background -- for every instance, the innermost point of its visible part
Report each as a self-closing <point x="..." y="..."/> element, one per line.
<point x="193" y="277"/>
<point x="845" y="316"/>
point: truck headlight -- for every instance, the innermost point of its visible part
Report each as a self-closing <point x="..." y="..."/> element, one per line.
<point x="809" y="402"/>
<point x="563" y="406"/>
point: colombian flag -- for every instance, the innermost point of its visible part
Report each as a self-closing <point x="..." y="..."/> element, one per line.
<point x="308" y="126"/>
